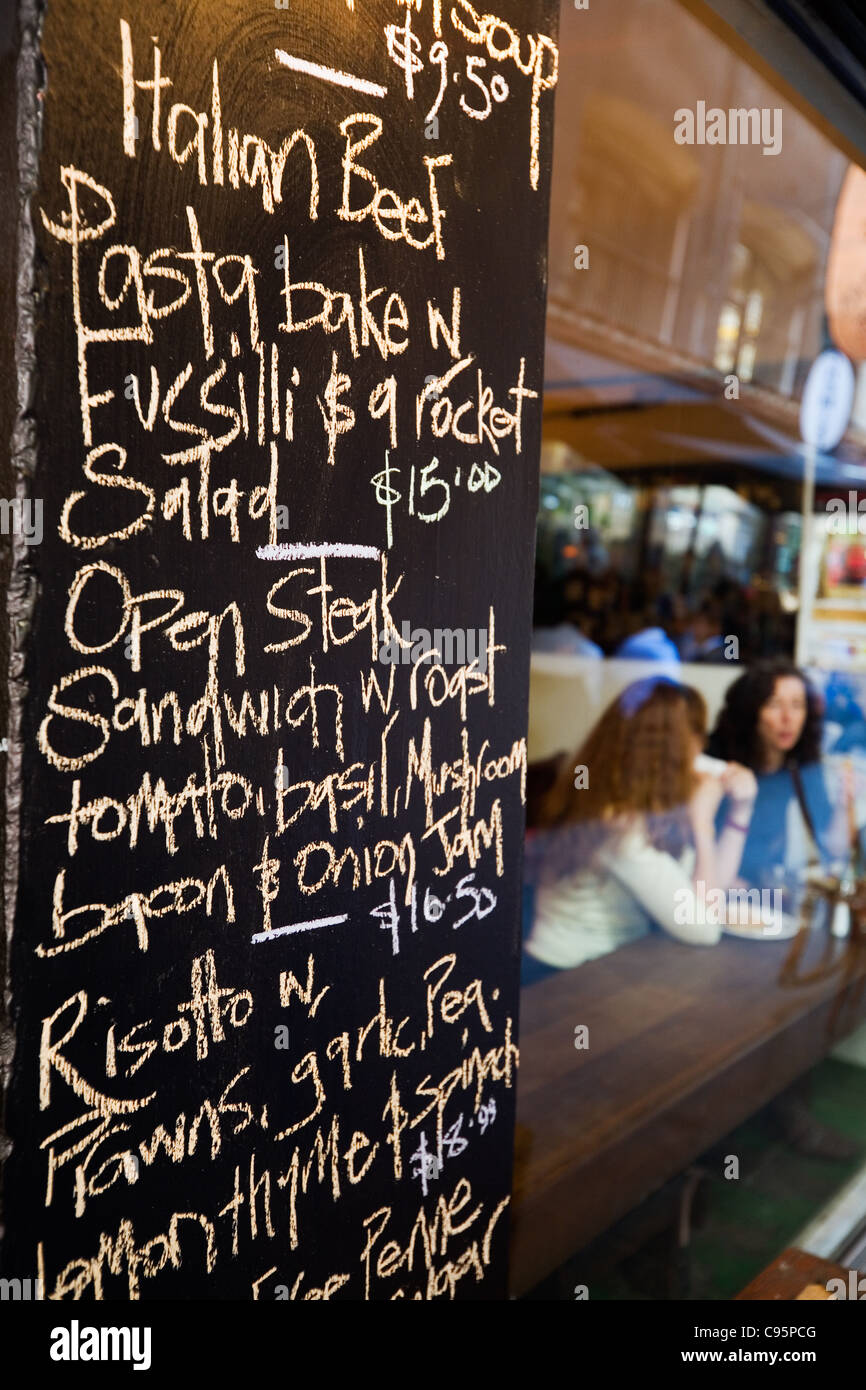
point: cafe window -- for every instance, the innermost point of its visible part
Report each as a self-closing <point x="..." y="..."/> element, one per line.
<point x="685" y="554"/>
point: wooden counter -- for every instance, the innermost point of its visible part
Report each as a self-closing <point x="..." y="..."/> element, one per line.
<point x="685" y="1043"/>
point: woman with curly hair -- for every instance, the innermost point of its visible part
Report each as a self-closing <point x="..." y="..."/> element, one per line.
<point x="627" y="830"/>
<point x="771" y="722"/>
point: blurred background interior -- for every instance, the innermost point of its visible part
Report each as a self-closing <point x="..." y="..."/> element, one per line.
<point x="691" y="287"/>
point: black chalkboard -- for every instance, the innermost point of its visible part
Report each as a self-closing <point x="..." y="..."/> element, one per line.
<point x="280" y="331"/>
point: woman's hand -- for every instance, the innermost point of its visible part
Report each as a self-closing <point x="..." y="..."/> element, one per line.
<point x="736" y="782"/>
<point x="717" y="862"/>
<point x="740" y="786"/>
<point x="705" y="802"/>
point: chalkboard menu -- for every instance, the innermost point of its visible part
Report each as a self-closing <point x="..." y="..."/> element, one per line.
<point x="280" y="326"/>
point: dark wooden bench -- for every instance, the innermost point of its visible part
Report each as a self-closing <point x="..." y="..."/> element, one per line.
<point x="790" y="1274"/>
<point x="685" y="1043"/>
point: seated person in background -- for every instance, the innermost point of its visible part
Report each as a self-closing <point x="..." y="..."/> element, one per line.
<point x="552" y="628"/>
<point x="771" y="723"/>
<point x="564" y="639"/>
<point x="627" y="830"/>
<point x="648" y="644"/>
<point x="703" y="639"/>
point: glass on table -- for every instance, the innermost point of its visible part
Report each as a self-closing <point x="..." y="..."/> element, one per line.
<point x="793" y="899"/>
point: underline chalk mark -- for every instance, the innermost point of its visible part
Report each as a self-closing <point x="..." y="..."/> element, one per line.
<point x="301" y="926"/>
<point x="340" y="79"/>
<point x="303" y="550"/>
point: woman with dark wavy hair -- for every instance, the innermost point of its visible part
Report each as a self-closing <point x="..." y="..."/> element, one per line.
<point x="771" y="722"/>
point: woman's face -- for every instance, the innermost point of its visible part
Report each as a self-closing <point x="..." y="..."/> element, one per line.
<point x="781" y="719"/>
